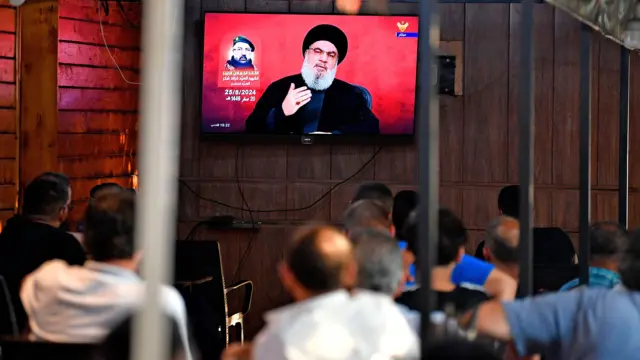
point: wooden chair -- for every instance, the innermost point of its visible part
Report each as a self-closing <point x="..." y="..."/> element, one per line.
<point x="200" y="278"/>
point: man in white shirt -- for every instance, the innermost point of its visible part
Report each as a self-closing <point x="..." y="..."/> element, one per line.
<point x="82" y="304"/>
<point x="326" y="321"/>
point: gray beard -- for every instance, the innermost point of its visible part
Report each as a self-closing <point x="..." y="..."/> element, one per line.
<point x="315" y="81"/>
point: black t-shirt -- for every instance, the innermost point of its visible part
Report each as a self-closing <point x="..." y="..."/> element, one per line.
<point x="24" y="246"/>
<point x="461" y="298"/>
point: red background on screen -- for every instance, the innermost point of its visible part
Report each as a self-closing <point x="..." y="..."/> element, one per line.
<point x="376" y="59"/>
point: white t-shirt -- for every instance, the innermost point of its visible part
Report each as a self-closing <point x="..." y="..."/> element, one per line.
<point x="82" y="304"/>
<point x="337" y="325"/>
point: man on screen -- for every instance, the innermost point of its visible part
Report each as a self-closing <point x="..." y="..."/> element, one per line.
<point x="241" y="55"/>
<point x="314" y="101"/>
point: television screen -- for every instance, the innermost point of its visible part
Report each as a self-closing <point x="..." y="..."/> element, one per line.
<point x="309" y="74"/>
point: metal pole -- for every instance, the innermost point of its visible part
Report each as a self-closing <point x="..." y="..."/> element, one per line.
<point x="162" y="29"/>
<point x="623" y="165"/>
<point x="525" y="161"/>
<point x="428" y="172"/>
<point x="585" y="151"/>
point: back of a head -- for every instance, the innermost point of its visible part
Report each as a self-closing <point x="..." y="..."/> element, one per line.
<point x="607" y="240"/>
<point x="379" y="261"/>
<point x="404" y="203"/>
<point x="117" y="345"/>
<point x="452" y="235"/>
<point x="502" y="239"/>
<point x="364" y="214"/>
<point x="375" y="191"/>
<point x="318" y="257"/>
<point x="509" y="201"/>
<point x="630" y="264"/>
<point x="46" y="195"/>
<point x="110" y="226"/>
<point x="104" y="188"/>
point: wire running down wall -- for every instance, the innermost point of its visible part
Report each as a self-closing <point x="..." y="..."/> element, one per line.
<point x="8" y="137"/>
<point x="97" y="101"/>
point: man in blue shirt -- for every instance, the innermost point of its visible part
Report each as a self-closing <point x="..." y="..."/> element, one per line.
<point x="607" y="242"/>
<point x="586" y="324"/>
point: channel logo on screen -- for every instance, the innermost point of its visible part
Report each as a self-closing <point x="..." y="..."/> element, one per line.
<point x="402" y="26"/>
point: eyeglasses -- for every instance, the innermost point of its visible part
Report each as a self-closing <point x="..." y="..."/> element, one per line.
<point x="240" y="50"/>
<point x="320" y="52"/>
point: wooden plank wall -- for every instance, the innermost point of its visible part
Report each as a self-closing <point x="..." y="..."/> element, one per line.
<point x="8" y="112"/>
<point x="478" y="139"/>
<point x="97" y="119"/>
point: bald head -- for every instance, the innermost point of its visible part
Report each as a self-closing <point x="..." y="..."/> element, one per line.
<point x="318" y="258"/>
<point x="502" y="239"/>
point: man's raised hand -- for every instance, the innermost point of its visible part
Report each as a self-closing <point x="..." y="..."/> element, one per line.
<point x="295" y="99"/>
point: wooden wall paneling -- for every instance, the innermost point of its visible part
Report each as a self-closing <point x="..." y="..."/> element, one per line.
<point x="634" y="128"/>
<point x="543" y="91"/>
<point x="8" y="115"/>
<point x="564" y="209"/>
<point x="607" y="143"/>
<point x="486" y="92"/>
<point x="277" y="6"/>
<point x="39" y="88"/>
<point x="541" y="207"/>
<point x="312" y="6"/>
<point x="605" y="206"/>
<point x="86" y="10"/>
<point x="479" y="206"/>
<point x="451" y="198"/>
<point x="566" y="117"/>
<point x="634" y="210"/>
<point x="97" y="131"/>
<point x="397" y="164"/>
<point x="452" y="19"/>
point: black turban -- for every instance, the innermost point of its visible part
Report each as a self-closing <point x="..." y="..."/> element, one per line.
<point x="242" y="39"/>
<point x="328" y="33"/>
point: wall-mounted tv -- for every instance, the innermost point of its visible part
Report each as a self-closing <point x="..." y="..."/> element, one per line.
<point x="309" y="74"/>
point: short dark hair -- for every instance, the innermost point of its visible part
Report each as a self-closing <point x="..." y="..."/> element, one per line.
<point x="366" y="214"/>
<point x="110" y="226"/>
<point x="509" y="201"/>
<point x="404" y="203"/>
<point x="501" y="243"/>
<point x="375" y="191"/>
<point x="607" y="239"/>
<point x="46" y="195"/>
<point x="451" y="235"/>
<point x="630" y="265"/>
<point x="111" y="186"/>
<point x="316" y="271"/>
<point x="379" y="260"/>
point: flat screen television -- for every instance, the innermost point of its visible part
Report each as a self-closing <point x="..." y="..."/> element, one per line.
<point x="292" y="74"/>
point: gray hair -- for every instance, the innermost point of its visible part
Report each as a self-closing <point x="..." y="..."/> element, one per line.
<point x="379" y="258"/>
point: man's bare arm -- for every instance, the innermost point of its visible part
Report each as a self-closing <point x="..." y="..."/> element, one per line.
<point x="501" y="286"/>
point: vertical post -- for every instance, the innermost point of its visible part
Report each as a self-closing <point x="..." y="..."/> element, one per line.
<point x="525" y="161"/>
<point x="162" y="29"/>
<point x="623" y="165"/>
<point x="428" y="141"/>
<point x="585" y="151"/>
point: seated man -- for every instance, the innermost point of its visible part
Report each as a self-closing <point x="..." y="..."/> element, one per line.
<point x="501" y="245"/>
<point x="81" y="304"/>
<point x="451" y="241"/>
<point x="326" y="321"/>
<point x="586" y="323"/>
<point x="34" y="237"/>
<point x="376" y="191"/>
<point x="367" y="214"/>
<point x="607" y="242"/>
<point x="380" y="268"/>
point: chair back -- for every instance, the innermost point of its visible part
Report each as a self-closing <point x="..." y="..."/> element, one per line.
<point x="21" y="349"/>
<point x="552" y="277"/>
<point x="200" y="280"/>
